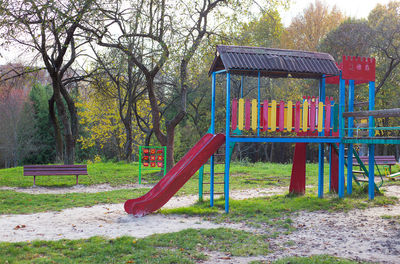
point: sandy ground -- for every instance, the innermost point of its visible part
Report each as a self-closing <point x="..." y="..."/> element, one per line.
<point x="109" y="220"/>
<point x="358" y="234"/>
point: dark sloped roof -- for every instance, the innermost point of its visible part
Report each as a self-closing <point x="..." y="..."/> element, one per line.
<point x="273" y="62"/>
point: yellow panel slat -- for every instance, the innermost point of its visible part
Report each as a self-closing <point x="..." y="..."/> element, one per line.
<point x="320" y="116"/>
<point x="254" y="114"/>
<point x="305" y="116"/>
<point x="273" y="115"/>
<point x="241" y="114"/>
<point x="289" y="114"/>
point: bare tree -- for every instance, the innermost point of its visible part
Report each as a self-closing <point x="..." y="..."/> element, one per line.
<point x="50" y="28"/>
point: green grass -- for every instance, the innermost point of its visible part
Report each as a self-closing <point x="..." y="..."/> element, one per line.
<point x="276" y="210"/>
<point x="182" y="247"/>
<point x="12" y="202"/>
<point x="243" y="176"/>
<point x="317" y="259"/>
<point x="123" y="173"/>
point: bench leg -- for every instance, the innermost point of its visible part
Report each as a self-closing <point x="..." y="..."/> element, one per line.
<point x="77" y="179"/>
<point x="34" y="180"/>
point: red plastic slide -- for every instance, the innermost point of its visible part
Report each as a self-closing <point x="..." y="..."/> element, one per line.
<point x="176" y="177"/>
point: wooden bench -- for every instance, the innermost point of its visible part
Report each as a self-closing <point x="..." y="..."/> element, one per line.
<point x="50" y="170"/>
<point x="379" y="160"/>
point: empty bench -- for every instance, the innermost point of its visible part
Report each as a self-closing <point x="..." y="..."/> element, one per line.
<point x="54" y="170"/>
<point x="379" y="160"/>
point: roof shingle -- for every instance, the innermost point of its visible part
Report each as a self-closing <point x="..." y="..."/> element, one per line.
<point x="273" y="62"/>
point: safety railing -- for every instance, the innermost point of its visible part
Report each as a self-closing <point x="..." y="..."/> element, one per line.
<point x="279" y="116"/>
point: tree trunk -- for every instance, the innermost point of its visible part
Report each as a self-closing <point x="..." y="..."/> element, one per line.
<point x="170" y="147"/>
<point x="68" y="135"/>
<point x="57" y="131"/>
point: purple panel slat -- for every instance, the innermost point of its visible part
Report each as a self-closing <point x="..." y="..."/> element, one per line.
<point x="281" y="116"/>
<point x="248" y="114"/>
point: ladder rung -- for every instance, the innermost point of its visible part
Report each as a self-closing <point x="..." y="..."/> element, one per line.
<point x="215" y="173"/>
<point x="358" y="172"/>
<point x="214" y="182"/>
<point x="214" y="193"/>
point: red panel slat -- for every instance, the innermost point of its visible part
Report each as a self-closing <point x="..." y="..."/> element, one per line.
<point x="265" y="116"/>
<point x="297" y="118"/>
<point x="234" y="114"/>
<point x="327" y="115"/>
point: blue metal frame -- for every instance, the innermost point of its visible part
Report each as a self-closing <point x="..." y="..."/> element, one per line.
<point x="227" y="140"/>
<point x="350" y="146"/>
<point x="371" y="147"/>
<point x="212" y="130"/>
<point x="342" y="90"/>
<point x="321" y="145"/>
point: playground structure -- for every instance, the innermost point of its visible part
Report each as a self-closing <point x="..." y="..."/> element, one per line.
<point x="318" y="119"/>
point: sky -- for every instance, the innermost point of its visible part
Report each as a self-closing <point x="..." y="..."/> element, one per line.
<point x="351" y="8"/>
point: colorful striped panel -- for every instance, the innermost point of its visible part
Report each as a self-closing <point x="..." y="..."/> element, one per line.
<point x="327" y="116"/>
<point x="289" y="117"/>
<point x="241" y="113"/>
<point x="297" y="118"/>
<point x="335" y="117"/>
<point x="281" y="116"/>
<point x="312" y="116"/>
<point x="265" y="116"/>
<point x="254" y="114"/>
<point x="273" y="115"/>
<point x="234" y="114"/>
<point x="320" y="116"/>
<point x="305" y="116"/>
<point x="247" y="115"/>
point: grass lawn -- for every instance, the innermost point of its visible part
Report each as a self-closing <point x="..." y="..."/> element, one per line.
<point x="243" y="176"/>
<point x="181" y="247"/>
<point x="187" y="246"/>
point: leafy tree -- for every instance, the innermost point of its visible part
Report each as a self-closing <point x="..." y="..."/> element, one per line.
<point x="43" y="138"/>
<point x="307" y="29"/>
<point x="103" y="128"/>
<point x="352" y="38"/>
<point x="384" y="21"/>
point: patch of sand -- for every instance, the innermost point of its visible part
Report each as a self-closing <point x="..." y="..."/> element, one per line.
<point x="108" y="220"/>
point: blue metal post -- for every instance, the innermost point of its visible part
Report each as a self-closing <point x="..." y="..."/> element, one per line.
<point x="350" y="148"/>
<point x="227" y="140"/>
<point x="330" y="150"/>
<point x="321" y="146"/>
<point x="212" y="130"/>
<point x="371" y="147"/>
<point x="258" y="103"/>
<point x="342" y="89"/>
